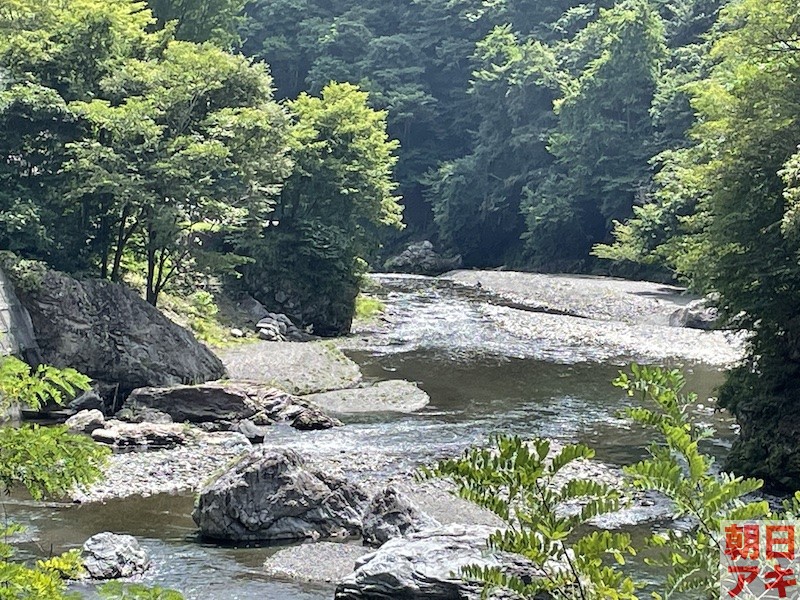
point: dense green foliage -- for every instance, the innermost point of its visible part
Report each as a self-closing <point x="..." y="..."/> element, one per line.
<point x="528" y="126"/>
<point x="725" y="218"/>
<point x="309" y="260"/>
<point x="132" y="152"/>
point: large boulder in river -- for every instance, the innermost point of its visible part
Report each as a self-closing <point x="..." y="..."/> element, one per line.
<point x="395" y="395"/>
<point x="108" y="332"/>
<point x="421" y="259"/>
<point x="111" y="556"/>
<point x="698" y="314"/>
<point x="391" y="514"/>
<point x="218" y="401"/>
<point x="270" y="495"/>
<point x="424" y="566"/>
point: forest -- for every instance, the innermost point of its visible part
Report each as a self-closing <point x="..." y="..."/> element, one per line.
<point x="284" y="149"/>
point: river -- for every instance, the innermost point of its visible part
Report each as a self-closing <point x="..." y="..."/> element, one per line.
<point x="489" y="365"/>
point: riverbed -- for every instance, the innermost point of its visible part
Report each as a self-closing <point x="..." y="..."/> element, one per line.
<point x="496" y="352"/>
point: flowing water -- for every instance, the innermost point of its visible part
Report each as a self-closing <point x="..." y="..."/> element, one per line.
<point x="481" y="381"/>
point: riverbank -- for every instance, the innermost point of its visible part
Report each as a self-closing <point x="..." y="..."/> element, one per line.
<point x="565" y="319"/>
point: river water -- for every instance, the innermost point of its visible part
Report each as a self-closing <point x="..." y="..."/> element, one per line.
<point x="482" y="379"/>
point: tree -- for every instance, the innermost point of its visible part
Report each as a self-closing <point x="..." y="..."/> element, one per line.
<point x="51" y="54"/>
<point x="200" y="20"/>
<point x="125" y="144"/>
<point x="477" y="198"/>
<point x="309" y="259"/>
<point x="732" y="198"/>
<point x="198" y="149"/>
<point x="603" y="139"/>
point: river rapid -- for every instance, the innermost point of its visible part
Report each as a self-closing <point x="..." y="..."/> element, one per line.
<point x="496" y="352"/>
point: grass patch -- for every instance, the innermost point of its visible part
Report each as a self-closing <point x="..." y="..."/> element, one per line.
<point x="210" y="318"/>
<point x="368" y="307"/>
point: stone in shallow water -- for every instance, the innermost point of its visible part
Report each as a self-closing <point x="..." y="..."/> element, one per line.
<point x="328" y="562"/>
<point x="111" y="556"/>
<point x="423" y="566"/>
<point x="391" y="514"/>
<point x="313" y="419"/>
<point x="386" y="396"/>
<point x="86" y="421"/>
<point x="269" y="495"/>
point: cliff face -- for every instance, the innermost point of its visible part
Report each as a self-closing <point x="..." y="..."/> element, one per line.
<point x="16" y="329"/>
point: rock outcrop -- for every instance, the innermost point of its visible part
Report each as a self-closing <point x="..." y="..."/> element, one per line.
<point x="421" y="259"/>
<point x="270" y="495"/>
<point x="391" y="514"/>
<point x="296" y="368"/>
<point x="319" y="562"/>
<point x="233" y="401"/>
<point x="699" y="314"/>
<point x="86" y="421"/>
<point x="422" y="566"/>
<point x="108" y="332"/>
<point x="144" y="435"/>
<point x="111" y="556"/>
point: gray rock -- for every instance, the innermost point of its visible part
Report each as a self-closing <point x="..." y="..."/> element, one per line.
<point x="215" y="401"/>
<point x="270" y="332"/>
<point x="86" y="421"/>
<point x="421" y="259"/>
<point x="699" y="314"/>
<point x="277" y="327"/>
<point x="254" y="433"/>
<point x="270" y="495"/>
<point x="144" y="415"/>
<point x="253" y="308"/>
<point x="152" y="435"/>
<point x="88" y="400"/>
<point x="423" y="566"/>
<point x="391" y="514"/>
<point x="320" y="562"/>
<point x="296" y="368"/>
<point x="386" y="396"/>
<point x="111" y="556"/>
<point x="237" y="333"/>
<point x="313" y="419"/>
<point x="108" y="332"/>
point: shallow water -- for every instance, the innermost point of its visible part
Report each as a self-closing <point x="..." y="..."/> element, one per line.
<point x="479" y="383"/>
